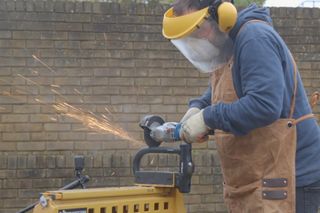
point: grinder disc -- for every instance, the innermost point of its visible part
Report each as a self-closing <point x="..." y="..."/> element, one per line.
<point x="151" y="122"/>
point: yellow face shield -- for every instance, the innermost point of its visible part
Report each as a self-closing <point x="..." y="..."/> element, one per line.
<point x="180" y="26"/>
<point x="200" y="38"/>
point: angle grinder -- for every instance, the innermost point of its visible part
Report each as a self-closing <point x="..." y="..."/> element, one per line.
<point x="156" y="130"/>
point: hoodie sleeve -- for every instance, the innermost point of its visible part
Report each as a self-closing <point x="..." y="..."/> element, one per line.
<point x="202" y="101"/>
<point x="262" y="84"/>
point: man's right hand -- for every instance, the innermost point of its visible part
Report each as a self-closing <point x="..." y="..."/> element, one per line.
<point x="189" y="113"/>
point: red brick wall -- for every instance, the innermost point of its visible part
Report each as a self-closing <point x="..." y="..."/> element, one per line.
<point x="105" y="54"/>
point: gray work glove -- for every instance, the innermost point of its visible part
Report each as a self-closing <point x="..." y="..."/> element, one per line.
<point x="194" y="129"/>
<point x="191" y="111"/>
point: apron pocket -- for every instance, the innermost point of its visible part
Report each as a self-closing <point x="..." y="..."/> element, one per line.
<point x="244" y="199"/>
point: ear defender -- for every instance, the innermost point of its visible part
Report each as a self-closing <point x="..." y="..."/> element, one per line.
<point x="224" y="13"/>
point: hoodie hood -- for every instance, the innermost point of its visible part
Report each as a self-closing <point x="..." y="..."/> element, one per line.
<point x="252" y="12"/>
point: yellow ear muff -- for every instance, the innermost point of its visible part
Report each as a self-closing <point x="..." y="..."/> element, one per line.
<point x="227" y="16"/>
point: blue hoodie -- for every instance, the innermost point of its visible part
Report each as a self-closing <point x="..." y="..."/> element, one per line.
<point x="263" y="80"/>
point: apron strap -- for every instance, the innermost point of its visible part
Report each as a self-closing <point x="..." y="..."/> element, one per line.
<point x="315" y="97"/>
<point x="293" y="97"/>
<point x="302" y="118"/>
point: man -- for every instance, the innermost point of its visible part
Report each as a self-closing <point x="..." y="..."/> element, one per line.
<point x="267" y="138"/>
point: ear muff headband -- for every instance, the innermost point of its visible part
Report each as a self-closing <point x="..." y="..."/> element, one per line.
<point x="224" y="13"/>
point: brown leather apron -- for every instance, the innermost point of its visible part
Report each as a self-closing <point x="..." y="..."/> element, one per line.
<point x="258" y="168"/>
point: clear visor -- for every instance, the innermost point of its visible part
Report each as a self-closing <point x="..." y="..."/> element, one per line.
<point x="207" y="48"/>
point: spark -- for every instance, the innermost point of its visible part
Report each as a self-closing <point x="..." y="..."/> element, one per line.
<point x="77" y="91"/>
<point x="38" y="100"/>
<point x="89" y="119"/>
<point x="44" y="64"/>
<point x="6" y="93"/>
<point x="105" y="117"/>
<point x="151" y="162"/>
<point x="34" y="71"/>
<point x="20" y="92"/>
<point x="53" y="119"/>
<point x="18" y="98"/>
<point x="59" y="94"/>
<point x="28" y="79"/>
<point x="54" y="85"/>
<point x="108" y="111"/>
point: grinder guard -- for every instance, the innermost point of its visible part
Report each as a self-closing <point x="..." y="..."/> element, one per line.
<point x="147" y="124"/>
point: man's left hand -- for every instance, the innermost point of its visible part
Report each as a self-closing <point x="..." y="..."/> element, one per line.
<point x="194" y="129"/>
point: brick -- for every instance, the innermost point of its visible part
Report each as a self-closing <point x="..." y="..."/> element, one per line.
<point x="134" y="108"/>
<point x="5" y="109"/>
<point x="121" y="81"/>
<point x="28" y="127"/>
<point x="116" y="145"/>
<point x="88" y="145"/>
<point x="10" y="5"/>
<point x="44" y="136"/>
<point x="67" y="81"/>
<point x="112" y="8"/>
<point x="70" y="7"/>
<point x="7" y="146"/>
<point x="120" y="159"/>
<point x="49" y="6"/>
<point x="29" y="193"/>
<point x="57" y="127"/>
<point x="47" y="183"/>
<point x="106" y="90"/>
<point x="68" y="27"/>
<point x="71" y="136"/>
<point x="22" y="162"/>
<point x="31" y="173"/>
<point x="5" y="34"/>
<point x="123" y="99"/>
<point x="67" y="44"/>
<point x="81" y="36"/>
<point x="150" y="99"/>
<point x="26" y="109"/>
<point x="8" y="193"/>
<point x="60" y="145"/>
<point x="163" y="108"/>
<point x="54" y="35"/>
<point x="3" y="162"/>
<point x="146" y="82"/>
<point x="92" y="45"/>
<point x="87" y="7"/>
<point x="43" y="118"/>
<point x="102" y="99"/>
<point x="6" y="174"/>
<point x="31" y="146"/>
<point x="192" y="199"/>
<point x="59" y="6"/>
<point x="103" y="136"/>
<point x="39" y="44"/>
<point x="14" y="118"/>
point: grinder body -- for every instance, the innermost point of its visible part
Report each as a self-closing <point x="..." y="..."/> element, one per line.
<point x="156" y="130"/>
